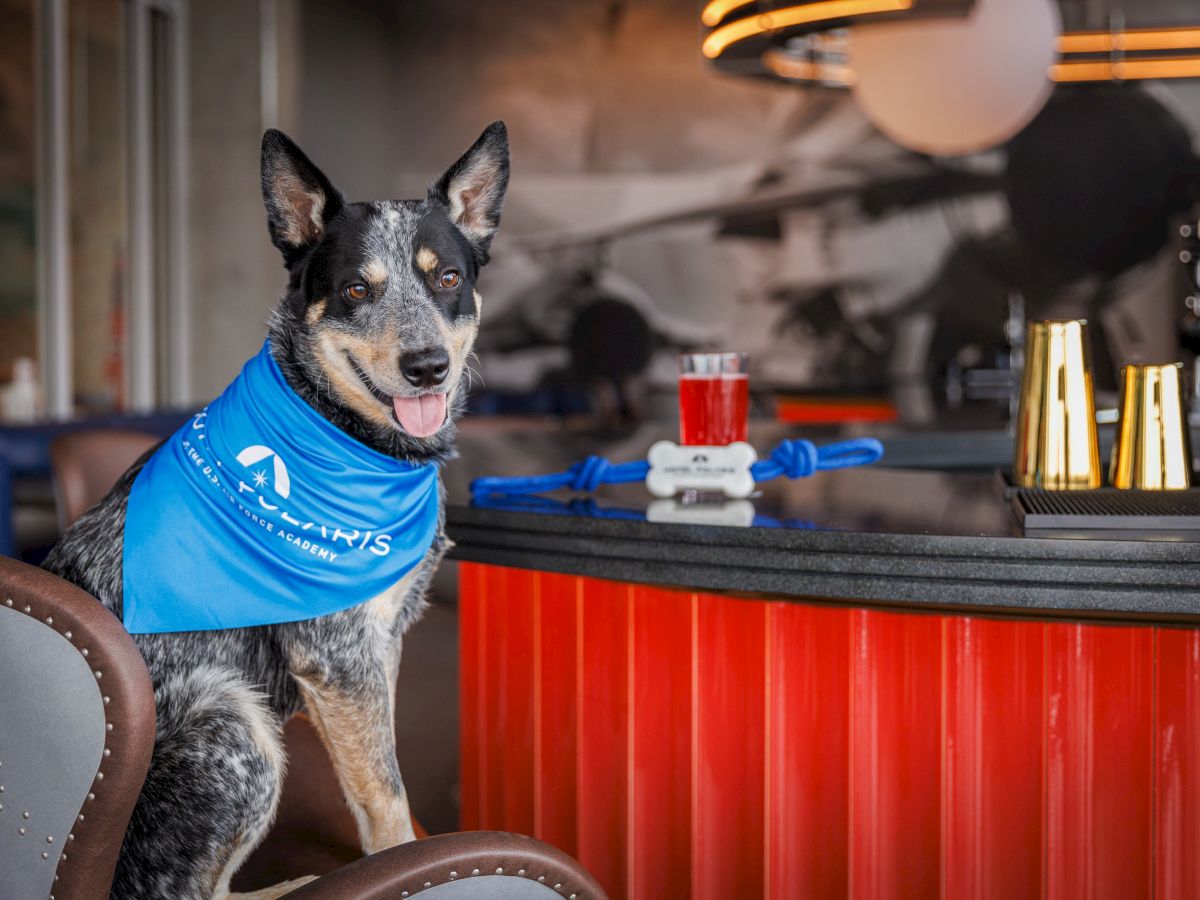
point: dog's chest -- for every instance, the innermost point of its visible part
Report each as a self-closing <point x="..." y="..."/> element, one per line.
<point x="399" y="602"/>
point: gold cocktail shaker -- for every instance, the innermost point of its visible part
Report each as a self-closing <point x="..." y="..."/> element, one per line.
<point x="1056" y="445"/>
<point x="1152" y="450"/>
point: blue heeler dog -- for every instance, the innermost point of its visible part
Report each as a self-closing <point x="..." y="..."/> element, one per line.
<point x="374" y="332"/>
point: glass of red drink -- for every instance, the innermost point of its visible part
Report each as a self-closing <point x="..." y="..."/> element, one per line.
<point x="714" y="399"/>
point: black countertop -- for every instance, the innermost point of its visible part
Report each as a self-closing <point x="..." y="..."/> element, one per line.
<point x="879" y="535"/>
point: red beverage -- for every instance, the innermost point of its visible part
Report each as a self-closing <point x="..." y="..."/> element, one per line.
<point x="714" y="410"/>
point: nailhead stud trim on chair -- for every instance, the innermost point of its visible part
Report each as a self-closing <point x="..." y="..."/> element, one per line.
<point x="474" y="863"/>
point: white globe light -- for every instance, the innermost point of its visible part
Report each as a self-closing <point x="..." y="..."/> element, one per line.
<point x="953" y="86"/>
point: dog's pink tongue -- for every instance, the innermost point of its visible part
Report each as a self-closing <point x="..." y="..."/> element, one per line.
<point x="421" y="416"/>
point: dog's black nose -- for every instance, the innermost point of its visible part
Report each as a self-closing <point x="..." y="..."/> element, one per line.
<point x="425" y="368"/>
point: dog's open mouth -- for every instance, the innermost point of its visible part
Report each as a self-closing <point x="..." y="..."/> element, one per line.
<point x="421" y="416"/>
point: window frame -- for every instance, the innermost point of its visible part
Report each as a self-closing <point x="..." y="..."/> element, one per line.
<point x="145" y="388"/>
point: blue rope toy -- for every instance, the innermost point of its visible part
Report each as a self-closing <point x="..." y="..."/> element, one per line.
<point x="794" y="458"/>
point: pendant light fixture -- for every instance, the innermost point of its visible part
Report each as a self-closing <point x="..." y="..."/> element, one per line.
<point x="956" y="86"/>
<point x="943" y="77"/>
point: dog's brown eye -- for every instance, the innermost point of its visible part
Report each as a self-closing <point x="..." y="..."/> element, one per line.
<point x="356" y="291"/>
<point x="450" y="279"/>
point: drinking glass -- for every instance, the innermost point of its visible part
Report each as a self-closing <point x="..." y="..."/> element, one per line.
<point x="714" y="399"/>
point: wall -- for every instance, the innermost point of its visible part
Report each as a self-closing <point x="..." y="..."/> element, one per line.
<point x="590" y="85"/>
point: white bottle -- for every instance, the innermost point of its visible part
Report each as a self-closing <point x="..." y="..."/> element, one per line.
<point x="23" y="395"/>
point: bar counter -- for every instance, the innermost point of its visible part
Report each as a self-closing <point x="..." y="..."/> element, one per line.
<point x="877" y="689"/>
<point x="887" y="536"/>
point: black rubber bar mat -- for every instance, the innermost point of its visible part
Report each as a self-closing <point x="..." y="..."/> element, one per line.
<point x="1107" y="509"/>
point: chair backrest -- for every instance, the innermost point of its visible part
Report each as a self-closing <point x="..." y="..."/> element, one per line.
<point x="76" y="732"/>
<point x="88" y="463"/>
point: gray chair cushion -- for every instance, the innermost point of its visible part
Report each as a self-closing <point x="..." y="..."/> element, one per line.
<point x="490" y="887"/>
<point x="52" y="732"/>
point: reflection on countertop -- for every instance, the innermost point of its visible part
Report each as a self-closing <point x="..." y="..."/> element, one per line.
<point x="880" y="501"/>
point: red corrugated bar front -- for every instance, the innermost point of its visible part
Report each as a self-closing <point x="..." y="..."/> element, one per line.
<point x="684" y="744"/>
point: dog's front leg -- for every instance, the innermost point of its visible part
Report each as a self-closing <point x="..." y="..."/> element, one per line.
<point x="354" y="718"/>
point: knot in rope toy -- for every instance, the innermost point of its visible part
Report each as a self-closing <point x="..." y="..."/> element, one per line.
<point x="589" y="474"/>
<point x="794" y="458"/>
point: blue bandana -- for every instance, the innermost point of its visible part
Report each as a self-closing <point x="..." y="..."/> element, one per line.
<point x="260" y="511"/>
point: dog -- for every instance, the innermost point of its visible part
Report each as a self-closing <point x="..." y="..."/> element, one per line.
<point x="380" y="308"/>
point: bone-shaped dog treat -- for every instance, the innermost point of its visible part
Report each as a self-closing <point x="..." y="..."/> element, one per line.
<point x="674" y="469"/>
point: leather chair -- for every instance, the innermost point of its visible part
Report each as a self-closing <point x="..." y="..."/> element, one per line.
<point x="87" y="464"/>
<point x="77" y="724"/>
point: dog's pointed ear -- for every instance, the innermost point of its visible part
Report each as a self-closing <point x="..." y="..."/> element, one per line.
<point x="300" y="200"/>
<point x="473" y="188"/>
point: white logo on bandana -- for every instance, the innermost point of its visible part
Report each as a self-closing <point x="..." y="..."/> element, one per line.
<point x="256" y="453"/>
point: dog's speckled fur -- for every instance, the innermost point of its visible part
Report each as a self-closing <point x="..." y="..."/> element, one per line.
<point x="222" y="696"/>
